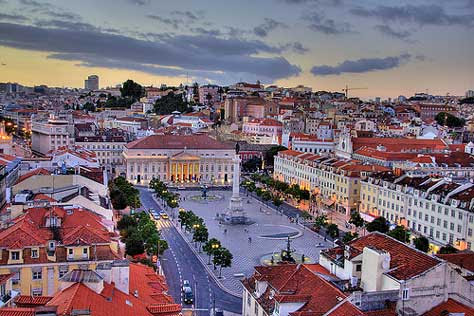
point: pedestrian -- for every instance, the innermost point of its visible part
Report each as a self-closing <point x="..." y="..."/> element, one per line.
<point x="225" y="231"/>
<point x="250" y="240"/>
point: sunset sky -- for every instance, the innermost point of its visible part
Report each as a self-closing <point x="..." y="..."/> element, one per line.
<point x="389" y="47"/>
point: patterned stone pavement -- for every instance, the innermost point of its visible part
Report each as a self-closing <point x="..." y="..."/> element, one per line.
<point x="248" y="254"/>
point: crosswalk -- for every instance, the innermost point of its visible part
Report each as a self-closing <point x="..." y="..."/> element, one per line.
<point x="162" y="224"/>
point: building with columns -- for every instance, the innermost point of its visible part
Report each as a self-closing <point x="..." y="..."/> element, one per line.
<point x="179" y="159"/>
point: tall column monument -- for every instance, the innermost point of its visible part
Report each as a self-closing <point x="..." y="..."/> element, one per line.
<point x="235" y="214"/>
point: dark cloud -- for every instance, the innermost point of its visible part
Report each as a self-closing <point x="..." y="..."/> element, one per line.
<point x="198" y="53"/>
<point x="295" y="47"/>
<point x="204" y="31"/>
<point x="175" y="23"/>
<point x="429" y="14"/>
<point x="319" y="23"/>
<point x="389" y="31"/>
<point x="13" y="17"/>
<point x="317" y="2"/>
<point x="139" y="2"/>
<point x="188" y="15"/>
<point x="267" y="26"/>
<point x="361" y="65"/>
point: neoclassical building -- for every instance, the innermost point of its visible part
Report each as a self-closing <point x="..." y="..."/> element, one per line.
<point x="180" y="159"/>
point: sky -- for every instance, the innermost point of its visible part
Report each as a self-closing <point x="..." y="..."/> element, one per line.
<point x="388" y="48"/>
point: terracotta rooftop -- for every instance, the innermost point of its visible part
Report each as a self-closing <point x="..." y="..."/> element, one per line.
<point x="405" y="261"/>
<point x="35" y="172"/>
<point x="450" y="306"/>
<point x="178" y="142"/>
<point x="464" y="260"/>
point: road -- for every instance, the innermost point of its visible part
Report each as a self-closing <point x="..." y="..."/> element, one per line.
<point x="180" y="263"/>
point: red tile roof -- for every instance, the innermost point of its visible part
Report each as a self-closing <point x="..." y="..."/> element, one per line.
<point x="464" y="260"/>
<point x="302" y="284"/>
<point x="29" y="301"/>
<point x="151" y="299"/>
<point x="399" y="144"/>
<point x="451" y="306"/>
<point x="5" y="277"/>
<point x="15" y="311"/>
<point x="346" y="309"/>
<point x="178" y="142"/>
<point x="405" y="261"/>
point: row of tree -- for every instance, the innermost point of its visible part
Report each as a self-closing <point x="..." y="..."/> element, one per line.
<point x="140" y="235"/>
<point x="162" y="191"/>
<point x="123" y="194"/>
<point x="170" y="103"/>
<point x="294" y="190"/>
<point x="221" y="257"/>
<point x="400" y="233"/>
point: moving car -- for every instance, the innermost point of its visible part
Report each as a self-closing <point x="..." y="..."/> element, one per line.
<point x="188" y="296"/>
<point x="163" y="215"/>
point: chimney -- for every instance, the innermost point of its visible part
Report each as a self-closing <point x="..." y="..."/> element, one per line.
<point x="121" y="275"/>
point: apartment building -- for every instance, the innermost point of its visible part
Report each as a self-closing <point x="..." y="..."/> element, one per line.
<point x="311" y="144"/>
<point x="334" y="182"/>
<point x="107" y="148"/>
<point x="45" y="243"/>
<point x="50" y="134"/>
<point x="180" y="159"/>
<point x="380" y="269"/>
<point x="437" y="208"/>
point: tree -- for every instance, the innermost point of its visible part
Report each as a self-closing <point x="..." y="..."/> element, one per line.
<point x="306" y="216"/>
<point x="277" y="201"/>
<point x="333" y="230"/>
<point x="400" y="234"/>
<point x="134" y="244"/>
<point x="123" y="194"/>
<point x="447" y="119"/>
<point x="200" y="235"/>
<point x="131" y="89"/>
<point x="210" y="247"/>
<point x="170" y="103"/>
<point x="422" y="243"/>
<point x="89" y="107"/>
<point x="320" y="221"/>
<point x="349" y="236"/>
<point x="222" y="259"/>
<point x="252" y="165"/>
<point x="356" y="219"/>
<point x="125" y="222"/>
<point x="270" y="154"/>
<point x="379" y="224"/>
<point x="447" y="250"/>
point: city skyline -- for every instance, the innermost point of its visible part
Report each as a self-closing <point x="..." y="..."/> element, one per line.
<point x="423" y="44"/>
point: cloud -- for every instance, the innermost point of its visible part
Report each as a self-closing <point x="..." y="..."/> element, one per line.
<point x="295" y="47"/>
<point x="203" y="31"/>
<point x="13" y="17"/>
<point x="318" y="2"/>
<point x="267" y="26"/>
<point x="361" y="65"/>
<point x="319" y="23"/>
<point x="175" y="23"/>
<point x="139" y="2"/>
<point x="389" y="31"/>
<point x="198" y="53"/>
<point x="188" y="15"/>
<point x="429" y="14"/>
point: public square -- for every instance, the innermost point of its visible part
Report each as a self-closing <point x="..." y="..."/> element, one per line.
<point x="249" y="243"/>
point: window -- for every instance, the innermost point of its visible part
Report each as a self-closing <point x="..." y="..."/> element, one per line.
<point x="358" y="267"/>
<point x="63" y="270"/>
<point x="34" y="253"/>
<point x="406" y="294"/>
<point x="37" y="275"/>
<point x="248" y="299"/>
<point x="15" y="255"/>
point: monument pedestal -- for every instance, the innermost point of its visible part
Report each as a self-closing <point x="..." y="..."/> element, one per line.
<point x="235" y="214"/>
